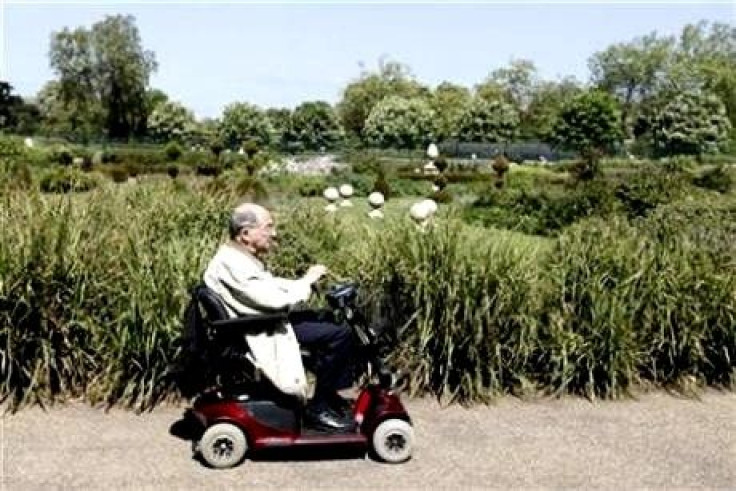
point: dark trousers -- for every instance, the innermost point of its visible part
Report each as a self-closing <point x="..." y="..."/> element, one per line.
<point x="333" y="346"/>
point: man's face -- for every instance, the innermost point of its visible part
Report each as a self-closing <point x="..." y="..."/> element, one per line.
<point x="260" y="238"/>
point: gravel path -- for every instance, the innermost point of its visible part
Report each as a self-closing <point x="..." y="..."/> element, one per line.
<point x="658" y="440"/>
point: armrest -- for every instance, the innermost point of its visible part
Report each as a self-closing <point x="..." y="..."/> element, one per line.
<point x="250" y="322"/>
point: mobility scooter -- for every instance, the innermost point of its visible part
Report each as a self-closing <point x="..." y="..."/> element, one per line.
<point x="242" y="416"/>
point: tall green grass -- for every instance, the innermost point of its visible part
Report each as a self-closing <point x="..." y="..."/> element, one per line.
<point x="93" y="287"/>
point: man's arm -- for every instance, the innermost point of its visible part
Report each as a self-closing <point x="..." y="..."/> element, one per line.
<point x="261" y="291"/>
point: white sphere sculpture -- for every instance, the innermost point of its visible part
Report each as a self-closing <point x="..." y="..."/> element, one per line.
<point x="331" y="194"/>
<point x="431" y="206"/>
<point x="420" y="212"/>
<point x="432" y="151"/>
<point x="376" y="199"/>
<point x="346" y="191"/>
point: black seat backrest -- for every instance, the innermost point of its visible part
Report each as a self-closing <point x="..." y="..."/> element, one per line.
<point x="211" y="303"/>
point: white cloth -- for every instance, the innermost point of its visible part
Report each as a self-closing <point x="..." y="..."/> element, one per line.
<point x="246" y="288"/>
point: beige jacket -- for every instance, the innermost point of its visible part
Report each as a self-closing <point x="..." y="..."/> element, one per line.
<point x="246" y="287"/>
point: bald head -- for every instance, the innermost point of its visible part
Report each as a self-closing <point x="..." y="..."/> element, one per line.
<point x="247" y="216"/>
<point x="252" y="226"/>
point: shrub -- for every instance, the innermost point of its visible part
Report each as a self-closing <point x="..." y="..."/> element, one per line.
<point x="441" y="164"/>
<point x="14" y="172"/>
<point x="441" y="182"/>
<point x="716" y="179"/>
<point x="119" y="174"/>
<point x="133" y="169"/>
<point x="251" y="148"/>
<point x="66" y="180"/>
<point x="61" y="155"/>
<point x="442" y="196"/>
<point x="381" y="186"/>
<point x="648" y="188"/>
<point x="543" y="212"/>
<point x="310" y="186"/>
<point x="252" y="189"/>
<point x="366" y="163"/>
<point x="172" y="171"/>
<point x="209" y="169"/>
<point x="217" y="146"/>
<point x="173" y="151"/>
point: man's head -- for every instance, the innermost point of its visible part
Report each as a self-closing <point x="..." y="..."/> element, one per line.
<point x="253" y="226"/>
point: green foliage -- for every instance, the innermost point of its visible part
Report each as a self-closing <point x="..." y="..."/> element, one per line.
<point x="487" y="121"/>
<point x="171" y="121"/>
<point x="541" y="212"/>
<point x="691" y="124"/>
<point x="396" y="122"/>
<point x="649" y="188"/>
<point x="62" y="155"/>
<point x="443" y="196"/>
<point x="242" y="122"/>
<point x="315" y="126"/>
<point x="209" y="169"/>
<point x="251" y="148"/>
<point x="103" y="74"/>
<point x="173" y="171"/>
<point x="173" y="151"/>
<point x="716" y="179"/>
<point x="67" y="180"/>
<point x="14" y="172"/>
<point x="589" y="123"/>
<point x="448" y="101"/>
<point x="362" y="95"/>
<point x="118" y="173"/>
<point x="95" y="311"/>
<point x="382" y="186"/>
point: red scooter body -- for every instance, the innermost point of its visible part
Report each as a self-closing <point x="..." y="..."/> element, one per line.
<point x="271" y="424"/>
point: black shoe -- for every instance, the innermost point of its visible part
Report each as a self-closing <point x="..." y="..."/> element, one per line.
<point x="341" y="406"/>
<point x="323" y="418"/>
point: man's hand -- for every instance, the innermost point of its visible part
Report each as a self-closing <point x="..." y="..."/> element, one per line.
<point x="314" y="273"/>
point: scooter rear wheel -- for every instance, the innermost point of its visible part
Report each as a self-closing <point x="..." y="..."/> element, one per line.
<point x="223" y="445"/>
<point x="393" y="441"/>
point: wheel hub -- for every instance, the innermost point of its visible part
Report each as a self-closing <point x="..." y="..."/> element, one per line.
<point x="222" y="447"/>
<point x="395" y="443"/>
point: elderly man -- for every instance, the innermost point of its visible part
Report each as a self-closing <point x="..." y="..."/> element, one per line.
<point x="237" y="274"/>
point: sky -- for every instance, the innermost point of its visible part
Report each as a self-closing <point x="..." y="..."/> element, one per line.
<point x="279" y="55"/>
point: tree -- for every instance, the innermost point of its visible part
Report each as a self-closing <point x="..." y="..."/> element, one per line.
<point x="488" y="122"/>
<point x="59" y="118"/>
<point x="242" y="122"/>
<point x="705" y="60"/>
<point x="590" y="123"/>
<point x="171" y="121"/>
<point x="360" y="96"/>
<point x="449" y="101"/>
<point x="691" y="124"/>
<point x="8" y="105"/>
<point x="106" y="66"/>
<point x="315" y="125"/>
<point x="516" y="83"/>
<point x="546" y="103"/>
<point x="280" y="119"/>
<point x="154" y="97"/>
<point x="632" y="71"/>
<point x="17" y="115"/>
<point x="396" y="122"/>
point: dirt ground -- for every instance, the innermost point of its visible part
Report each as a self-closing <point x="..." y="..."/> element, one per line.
<point x="658" y="440"/>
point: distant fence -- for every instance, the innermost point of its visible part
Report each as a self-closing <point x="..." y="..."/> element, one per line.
<point x="517" y="152"/>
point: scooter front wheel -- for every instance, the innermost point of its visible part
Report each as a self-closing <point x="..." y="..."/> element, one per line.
<point x="223" y="445"/>
<point x="393" y="441"/>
